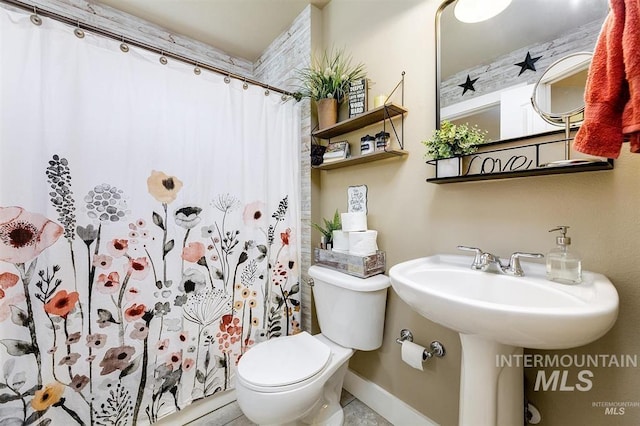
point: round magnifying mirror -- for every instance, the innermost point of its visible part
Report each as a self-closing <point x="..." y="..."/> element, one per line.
<point x="558" y="96"/>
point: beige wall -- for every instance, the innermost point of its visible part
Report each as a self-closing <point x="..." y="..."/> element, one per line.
<point x="415" y="219"/>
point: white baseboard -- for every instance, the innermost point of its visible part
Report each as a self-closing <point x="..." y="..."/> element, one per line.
<point x="198" y="409"/>
<point x="388" y="406"/>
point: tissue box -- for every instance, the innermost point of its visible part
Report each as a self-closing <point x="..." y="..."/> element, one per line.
<point x="358" y="266"/>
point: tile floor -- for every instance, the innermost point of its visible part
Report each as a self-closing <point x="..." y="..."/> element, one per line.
<point x="355" y="414"/>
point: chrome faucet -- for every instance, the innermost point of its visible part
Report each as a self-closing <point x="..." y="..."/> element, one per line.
<point x="486" y="262"/>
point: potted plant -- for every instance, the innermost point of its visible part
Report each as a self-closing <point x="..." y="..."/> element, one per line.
<point x="329" y="226"/>
<point x="326" y="81"/>
<point x="449" y="143"/>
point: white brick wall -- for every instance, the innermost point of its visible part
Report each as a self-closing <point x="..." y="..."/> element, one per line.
<point x="502" y="73"/>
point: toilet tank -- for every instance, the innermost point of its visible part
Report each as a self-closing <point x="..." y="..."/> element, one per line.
<point x="350" y="310"/>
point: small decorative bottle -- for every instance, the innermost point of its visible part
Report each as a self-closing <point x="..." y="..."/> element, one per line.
<point x="563" y="266"/>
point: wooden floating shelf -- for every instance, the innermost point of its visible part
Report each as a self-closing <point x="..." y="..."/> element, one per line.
<point x="372" y="116"/>
<point x="360" y="159"/>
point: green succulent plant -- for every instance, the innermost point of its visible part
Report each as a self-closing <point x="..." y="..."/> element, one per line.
<point x="454" y="140"/>
<point x="329" y="226"/>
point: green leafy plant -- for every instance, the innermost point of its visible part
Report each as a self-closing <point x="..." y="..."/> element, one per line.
<point x="454" y="140"/>
<point x="329" y="226"/>
<point x="328" y="76"/>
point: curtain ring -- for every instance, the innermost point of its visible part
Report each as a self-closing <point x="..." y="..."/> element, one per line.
<point x="245" y="86"/>
<point x="35" y="19"/>
<point x="267" y="92"/>
<point x="163" y="59"/>
<point x="284" y="97"/>
<point x="78" y="31"/>
<point x="123" y="46"/>
<point x="197" y="70"/>
<point x="227" y="78"/>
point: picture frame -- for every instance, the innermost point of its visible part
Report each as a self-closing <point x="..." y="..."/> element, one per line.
<point x="358" y="91"/>
<point x="357" y="199"/>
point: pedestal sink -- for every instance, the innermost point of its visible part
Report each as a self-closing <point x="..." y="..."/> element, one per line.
<point x="497" y="315"/>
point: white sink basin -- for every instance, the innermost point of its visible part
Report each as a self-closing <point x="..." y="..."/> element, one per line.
<point x="527" y="311"/>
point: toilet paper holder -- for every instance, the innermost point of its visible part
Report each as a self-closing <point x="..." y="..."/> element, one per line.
<point x="436" y="348"/>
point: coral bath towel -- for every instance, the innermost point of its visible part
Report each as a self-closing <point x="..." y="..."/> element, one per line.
<point x="612" y="96"/>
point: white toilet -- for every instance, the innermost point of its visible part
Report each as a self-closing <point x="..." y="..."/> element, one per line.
<point x="298" y="379"/>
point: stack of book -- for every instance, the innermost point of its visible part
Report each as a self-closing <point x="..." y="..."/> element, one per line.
<point x="336" y="151"/>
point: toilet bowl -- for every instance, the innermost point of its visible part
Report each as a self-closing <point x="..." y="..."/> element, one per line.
<point x="298" y="379"/>
<point x="294" y="378"/>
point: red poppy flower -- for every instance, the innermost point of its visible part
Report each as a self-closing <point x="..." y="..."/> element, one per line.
<point x="118" y="248"/>
<point x="193" y="252"/>
<point x="139" y="268"/>
<point x="24" y="235"/>
<point x="134" y="312"/>
<point x="62" y="303"/>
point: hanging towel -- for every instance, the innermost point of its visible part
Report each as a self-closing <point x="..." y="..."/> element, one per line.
<point x="612" y="96"/>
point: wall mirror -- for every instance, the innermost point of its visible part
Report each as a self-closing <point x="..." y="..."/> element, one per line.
<point x="486" y="71"/>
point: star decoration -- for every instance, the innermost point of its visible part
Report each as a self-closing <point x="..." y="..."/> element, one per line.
<point x="468" y="85"/>
<point x="527" y="64"/>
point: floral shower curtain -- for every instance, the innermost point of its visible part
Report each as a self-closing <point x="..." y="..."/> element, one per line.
<point x="148" y="228"/>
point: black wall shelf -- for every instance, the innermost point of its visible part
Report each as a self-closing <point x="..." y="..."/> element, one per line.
<point x="509" y="170"/>
<point x="575" y="168"/>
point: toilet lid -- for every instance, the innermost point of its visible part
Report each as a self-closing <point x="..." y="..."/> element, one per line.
<point x="284" y="360"/>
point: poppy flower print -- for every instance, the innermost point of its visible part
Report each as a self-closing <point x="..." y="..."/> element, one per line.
<point x="62" y="303"/>
<point x="193" y="252"/>
<point x="253" y="214"/>
<point x="118" y="247"/>
<point x="163" y="187"/>
<point x="134" y="312"/>
<point x="96" y="341"/>
<point x="102" y="261"/>
<point x="137" y="315"/>
<point x="188" y="216"/>
<point x="24" y="235"/>
<point x="139" y="268"/>
<point x="47" y="396"/>
<point x="108" y="284"/>
<point x="117" y="358"/>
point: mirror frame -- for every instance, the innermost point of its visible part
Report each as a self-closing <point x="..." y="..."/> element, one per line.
<point x="437" y="26"/>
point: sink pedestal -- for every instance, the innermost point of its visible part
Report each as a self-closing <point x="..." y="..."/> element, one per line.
<point x="490" y="394"/>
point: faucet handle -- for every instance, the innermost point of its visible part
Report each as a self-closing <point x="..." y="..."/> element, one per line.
<point x="477" y="260"/>
<point x="515" y="268"/>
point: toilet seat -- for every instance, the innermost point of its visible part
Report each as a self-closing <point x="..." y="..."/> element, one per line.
<point x="284" y="361"/>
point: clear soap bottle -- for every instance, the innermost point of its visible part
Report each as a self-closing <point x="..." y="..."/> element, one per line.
<point x="563" y="265"/>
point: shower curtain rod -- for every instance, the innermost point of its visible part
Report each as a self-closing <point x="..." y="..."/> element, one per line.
<point x="37" y="10"/>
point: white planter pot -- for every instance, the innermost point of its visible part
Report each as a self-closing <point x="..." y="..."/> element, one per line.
<point x="448" y="167"/>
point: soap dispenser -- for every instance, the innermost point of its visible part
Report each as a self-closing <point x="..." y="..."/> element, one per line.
<point x="563" y="266"/>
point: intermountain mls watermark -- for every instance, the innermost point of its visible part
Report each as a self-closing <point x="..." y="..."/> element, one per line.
<point x="615" y="408"/>
<point x="558" y="378"/>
